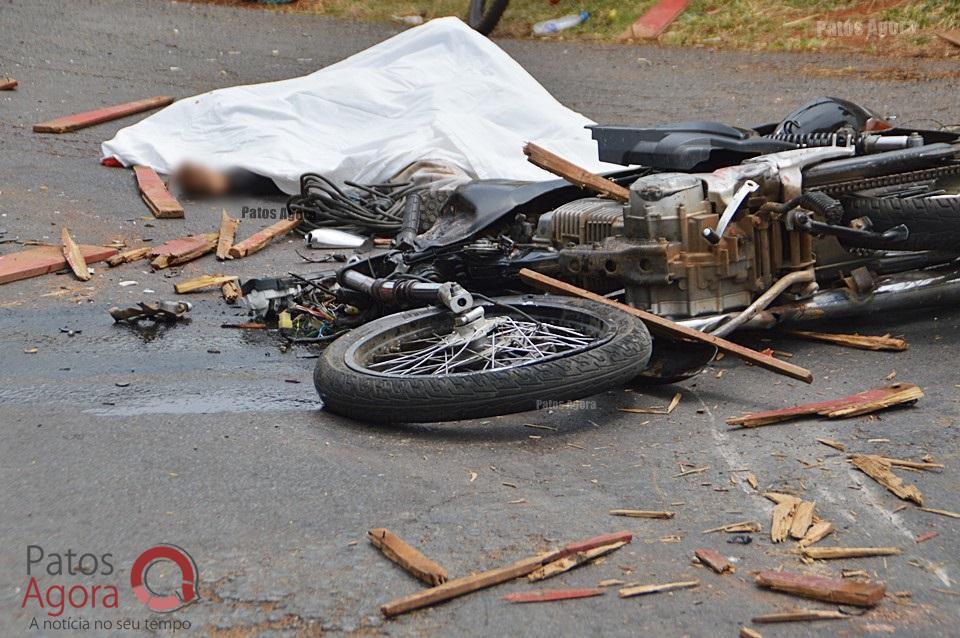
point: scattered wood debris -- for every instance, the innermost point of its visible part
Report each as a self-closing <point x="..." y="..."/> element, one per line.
<point x="643" y="513"/>
<point x="861" y="342"/>
<point x="8" y="84"/>
<point x="913" y="465"/>
<point x="667" y="410"/>
<point x="831" y="590"/>
<point x="831" y="553"/>
<point x="260" y="239"/>
<point x="925" y="537"/>
<point x="71" y="252"/>
<point x="467" y="584"/>
<point x="642" y="590"/>
<point x="155" y="195"/>
<point x="78" y="121"/>
<point x="836" y="445"/>
<point x="797" y="615"/>
<point x="743" y="527"/>
<point x="855" y="405"/>
<point x="167" y="311"/>
<point x="816" y="533"/>
<point x="854" y="573"/>
<point x="696" y="470"/>
<point x="231" y="291"/>
<point x="610" y="582"/>
<point x="569" y="171"/>
<point x="878" y="468"/>
<point x="228" y="232"/>
<point x="714" y="560"/>
<point x="783" y="513"/>
<point x="128" y="256"/>
<point x="752" y="480"/>
<point x="550" y="595"/>
<point x="941" y="512"/>
<point x="201" y="283"/>
<point x="394" y="548"/>
<point x="570" y="562"/>
<point x="802" y="519"/>
<point x="181" y="251"/>
<point x="746" y="632"/>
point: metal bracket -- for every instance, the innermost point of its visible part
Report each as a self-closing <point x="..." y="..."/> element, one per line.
<point x="730" y="213"/>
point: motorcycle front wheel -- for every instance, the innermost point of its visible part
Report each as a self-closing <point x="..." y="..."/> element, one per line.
<point x="483" y="15"/>
<point x="526" y="353"/>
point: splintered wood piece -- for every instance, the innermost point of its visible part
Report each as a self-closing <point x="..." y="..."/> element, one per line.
<point x="643" y="513"/>
<point x="802" y="519"/>
<point x="746" y="632"/>
<point x="752" y="480"/>
<point x="831" y="590"/>
<point x="913" y="465"/>
<point x="670" y="328"/>
<point x="78" y="121"/>
<point x="782" y="520"/>
<point x="228" y="232"/>
<point x="743" y="527"/>
<point x="128" y="256"/>
<point x="642" y="590"/>
<point x="474" y="582"/>
<point x="836" y="445"/>
<point x="42" y="260"/>
<point x="201" y="283"/>
<point x="830" y="553"/>
<point x="231" y="291"/>
<point x="941" y="512"/>
<point x="861" y="342"/>
<point x="7" y="84"/>
<point x="778" y="497"/>
<point x="155" y="195"/>
<point x="855" y="405"/>
<point x="180" y="251"/>
<point x="667" y="410"/>
<point x="569" y="171"/>
<point x="394" y="548"/>
<point x="878" y="469"/>
<point x="816" y="533"/>
<point x="797" y="615"/>
<point x="71" y="252"/>
<point x="550" y="595"/>
<point x="714" y="560"/>
<point x="260" y="239"/>
<point x="570" y="562"/>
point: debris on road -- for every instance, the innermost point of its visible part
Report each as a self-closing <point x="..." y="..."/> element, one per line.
<point x="742" y="527"/>
<point x="800" y="615"/>
<point x="746" y="632"/>
<point x="923" y="538"/>
<point x="7" y="84"/>
<point x="70" y="123"/>
<point x="394" y="548"/>
<point x="260" y="239"/>
<point x="183" y="250"/>
<point x="643" y="590"/>
<point x="228" y="232"/>
<point x="833" y="553"/>
<point x="550" y="595"/>
<point x="783" y="513"/>
<point x="802" y="519"/>
<point x="71" y="252"/>
<point x="542" y="158"/>
<point x="946" y="513"/>
<point x="202" y="283"/>
<point x="570" y="562"/>
<point x="642" y="513"/>
<point x="165" y="311"/>
<point x="855" y="405"/>
<point x="878" y="468"/>
<point x="836" y="445"/>
<point x="656" y="20"/>
<point x="128" y="256"/>
<point x="816" y="533"/>
<point x="43" y="260"/>
<point x="844" y="592"/>
<point x="231" y="291"/>
<point x="156" y="195"/>
<point x="714" y="560"/>
<point x="666" y="410"/>
<point x="861" y="342"/>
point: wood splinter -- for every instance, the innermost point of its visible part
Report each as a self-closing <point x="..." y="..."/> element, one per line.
<point x="228" y="232"/>
<point x="798" y="615"/>
<point x="260" y="239"/>
<point x="643" y="590"/>
<point x="714" y="560"/>
<point x="550" y="595"/>
<point x="202" y="283"/>
<point x="394" y="548"/>
<point x="642" y="513"/>
<point x="878" y="468"/>
<point x="830" y="590"/>
<point x="71" y="252"/>
<point x="861" y="342"/>
<point x="135" y="254"/>
<point x="830" y="553"/>
<point x="570" y="562"/>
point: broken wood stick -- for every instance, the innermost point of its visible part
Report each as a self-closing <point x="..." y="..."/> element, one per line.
<point x="831" y="553"/>
<point x="231" y="291"/>
<point x="816" y="533"/>
<point x="802" y="519"/>
<point x="796" y="615"/>
<point x="947" y="513"/>
<point x="7" y="84"/>
<point x="394" y="548"/>
<point x="570" y="562"/>
<point x="228" y="232"/>
<point x="549" y="595"/>
<point x="671" y="328"/>
<point x="181" y="251"/>
<point x="201" y="283"/>
<point x="155" y="195"/>
<point x="666" y="410"/>
<point x="831" y="590"/>
<point x="128" y="256"/>
<point x="714" y="560"/>
<point x="782" y="520"/>
<point x="467" y="584"/>
<point x="553" y="163"/>
<point x="642" y="513"/>
<point x="746" y="632"/>
<point x="71" y="252"/>
<point x="78" y="121"/>
<point x="743" y="527"/>
<point x="260" y="239"/>
<point x="855" y="405"/>
<point x="643" y="590"/>
<point x="861" y="342"/>
<point x="913" y="465"/>
<point x="877" y="468"/>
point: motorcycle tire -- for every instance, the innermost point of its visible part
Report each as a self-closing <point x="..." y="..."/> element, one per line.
<point x="483" y="15"/>
<point x="618" y="349"/>
<point x="934" y="222"/>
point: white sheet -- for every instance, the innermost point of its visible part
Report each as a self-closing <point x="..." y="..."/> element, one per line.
<point x="439" y="91"/>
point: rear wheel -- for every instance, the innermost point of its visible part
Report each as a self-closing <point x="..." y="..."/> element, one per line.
<point x="527" y="352"/>
<point x="484" y="15"/>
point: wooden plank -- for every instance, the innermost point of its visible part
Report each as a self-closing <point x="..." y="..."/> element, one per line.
<point x="155" y="195"/>
<point x="877" y="468"/>
<point x="643" y="513"/>
<point x="45" y="259"/>
<point x="656" y="20"/>
<point x="671" y="328"/>
<point x="128" y="256"/>
<point x="569" y="171"/>
<point x="260" y="239"/>
<point x="714" y="560"/>
<point x="854" y="405"/>
<point x="7" y="84"/>
<point x="550" y="595"/>
<point x="408" y="557"/>
<point x="201" y="283"/>
<point x="798" y="615"/>
<point x="643" y="590"/>
<point x="228" y="232"/>
<point x="831" y="590"/>
<point x="570" y="562"/>
<point x="861" y="342"/>
<point x="78" y="121"/>
<point x="832" y="553"/>
<point x="71" y="252"/>
<point x="180" y="251"/>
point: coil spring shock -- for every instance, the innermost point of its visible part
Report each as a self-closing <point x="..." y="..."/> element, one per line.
<point x="808" y="140"/>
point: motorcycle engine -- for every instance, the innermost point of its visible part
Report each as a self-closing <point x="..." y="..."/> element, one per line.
<point x="654" y="248"/>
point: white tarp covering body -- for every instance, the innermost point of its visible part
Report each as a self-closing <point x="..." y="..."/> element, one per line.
<point x="440" y="91"/>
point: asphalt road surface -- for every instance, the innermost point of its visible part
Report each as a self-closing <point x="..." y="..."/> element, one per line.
<point x="114" y="440"/>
